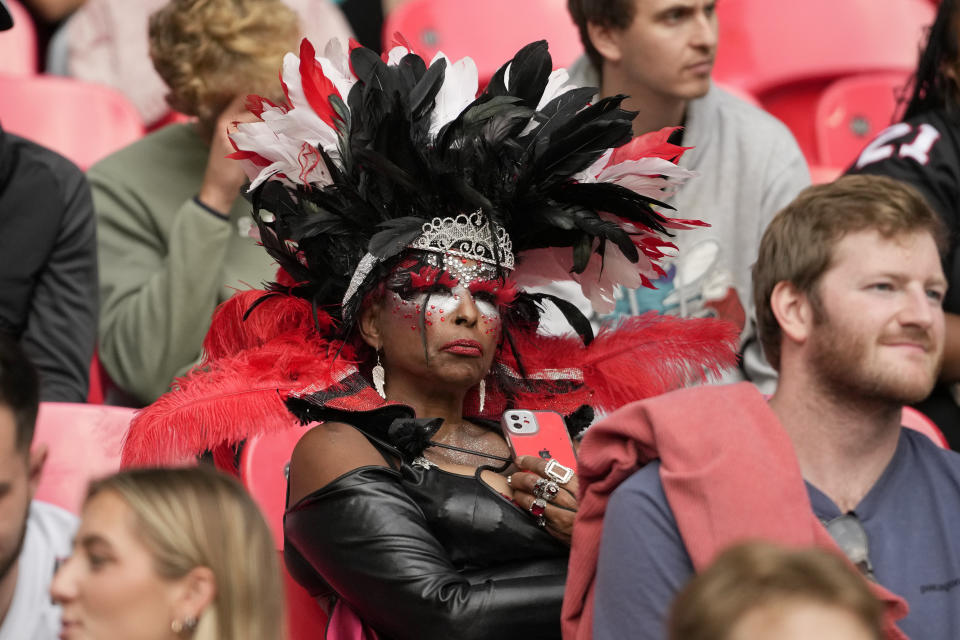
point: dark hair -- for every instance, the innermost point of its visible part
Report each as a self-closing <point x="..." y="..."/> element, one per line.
<point x="757" y="575"/>
<point x="930" y="87"/>
<point x="797" y="246"/>
<point x="19" y="389"/>
<point x="616" y="14"/>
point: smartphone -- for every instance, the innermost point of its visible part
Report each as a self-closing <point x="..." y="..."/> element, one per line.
<point x="538" y="433"/>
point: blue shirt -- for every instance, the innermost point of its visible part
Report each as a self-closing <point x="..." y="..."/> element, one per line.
<point x="911" y="516"/>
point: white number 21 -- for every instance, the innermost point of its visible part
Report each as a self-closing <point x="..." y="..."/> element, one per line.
<point x="918" y="148"/>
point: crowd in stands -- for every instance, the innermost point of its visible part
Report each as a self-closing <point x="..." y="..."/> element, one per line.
<point x="359" y="255"/>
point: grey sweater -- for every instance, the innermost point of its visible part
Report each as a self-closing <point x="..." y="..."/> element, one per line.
<point x="749" y="168"/>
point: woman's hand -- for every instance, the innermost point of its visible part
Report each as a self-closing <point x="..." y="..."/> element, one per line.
<point x="561" y="509"/>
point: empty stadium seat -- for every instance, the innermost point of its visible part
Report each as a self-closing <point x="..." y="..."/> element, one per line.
<point x="851" y="111"/>
<point x="81" y="121"/>
<point x="766" y="44"/>
<point x="787" y="53"/>
<point x="18" y="46"/>
<point x="264" y="466"/>
<point x="490" y="32"/>
<point x="84" y="442"/>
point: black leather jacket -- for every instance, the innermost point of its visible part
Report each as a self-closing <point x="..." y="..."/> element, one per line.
<point x="422" y="553"/>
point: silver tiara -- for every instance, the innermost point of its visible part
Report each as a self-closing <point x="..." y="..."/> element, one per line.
<point x="468" y="236"/>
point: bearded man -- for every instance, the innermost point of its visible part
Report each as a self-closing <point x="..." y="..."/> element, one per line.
<point x="848" y="288"/>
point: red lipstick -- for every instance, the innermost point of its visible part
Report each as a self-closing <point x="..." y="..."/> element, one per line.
<point x="469" y="348"/>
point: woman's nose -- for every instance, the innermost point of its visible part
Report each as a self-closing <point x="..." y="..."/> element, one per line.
<point x="467" y="312"/>
<point x="62" y="588"/>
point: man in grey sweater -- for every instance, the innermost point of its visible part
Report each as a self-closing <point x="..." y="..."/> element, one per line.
<point x="660" y="53"/>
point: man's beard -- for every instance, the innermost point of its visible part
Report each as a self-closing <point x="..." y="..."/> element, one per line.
<point x="8" y="561"/>
<point x="841" y="361"/>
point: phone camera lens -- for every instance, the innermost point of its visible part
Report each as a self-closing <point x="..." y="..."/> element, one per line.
<point x="518" y="426"/>
<point x="514" y="417"/>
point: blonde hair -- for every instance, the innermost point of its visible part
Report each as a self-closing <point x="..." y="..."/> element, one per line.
<point x="198" y="517"/>
<point x="759" y="574"/>
<point x="210" y="51"/>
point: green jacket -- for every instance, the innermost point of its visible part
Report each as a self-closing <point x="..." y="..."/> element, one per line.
<point x="165" y="261"/>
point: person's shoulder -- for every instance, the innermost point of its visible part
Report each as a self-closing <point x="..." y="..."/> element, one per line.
<point x="35" y="161"/>
<point x="929" y="458"/>
<point x="163" y="149"/>
<point x="734" y="111"/>
<point x="52" y="524"/>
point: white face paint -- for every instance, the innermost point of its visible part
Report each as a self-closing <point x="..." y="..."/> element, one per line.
<point x="443" y="305"/>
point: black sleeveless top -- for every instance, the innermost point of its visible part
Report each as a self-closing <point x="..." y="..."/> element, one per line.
<point x="477" y="527"/>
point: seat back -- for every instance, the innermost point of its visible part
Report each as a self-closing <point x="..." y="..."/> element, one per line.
<point x="852" y="111"/>
<point x="490" y="32"/>
<point x="264" y="467"/>
<point x="18" y="46"/>
<point x="766" y="44"/>
<point x="83" y="443"/>
<point x="79" y="120"/>
<point x="913" y="419"/>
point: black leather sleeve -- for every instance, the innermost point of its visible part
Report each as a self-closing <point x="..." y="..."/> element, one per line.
<point x="371" y="543"/>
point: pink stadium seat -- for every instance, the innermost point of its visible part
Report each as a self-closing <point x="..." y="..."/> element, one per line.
<point x="84" y="442"/>
<point x="766" y="49"/>
<point x="821" y="174"/>
<point x="766" y="44"/>
<point x="913" y="419"/>
<point x="18" y="46"/>
<point x="264" y="466"/>
<point x="82" y="121"/>
<point x="490" y="32"/>
<point x="852" y="110"/>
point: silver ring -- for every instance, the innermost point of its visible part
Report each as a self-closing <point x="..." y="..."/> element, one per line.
<point x="510" y="480"/>
<point x="546" y="489"/>
<point x="558" y="473"/>
<point x="538" y="510"/>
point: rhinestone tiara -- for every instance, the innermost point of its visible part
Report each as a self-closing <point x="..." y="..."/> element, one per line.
<point x="468" y="236"/>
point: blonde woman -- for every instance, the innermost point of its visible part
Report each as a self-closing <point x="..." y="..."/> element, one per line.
<point x="170" y="553"/>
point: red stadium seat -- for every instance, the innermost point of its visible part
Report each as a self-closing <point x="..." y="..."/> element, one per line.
<point x="264" y="466"/>
<point x="81" y="121"/>
<point x="84" y="443"/>
<point x="490" y="32"/>
<point x="913" y="419"/>
<point x="18" y="46"/>
<point x="766" y="44"/>
<point x="851" y="111"/>
<point x="767" y="49"/>
<point x="820" y="174"/>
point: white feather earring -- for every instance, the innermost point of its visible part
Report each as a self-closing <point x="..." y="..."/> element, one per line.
<point x="482" y="392"/>
<point x="377" y="374"/>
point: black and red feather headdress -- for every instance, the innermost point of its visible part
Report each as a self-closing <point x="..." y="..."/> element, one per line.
<point x="345" y="174"/>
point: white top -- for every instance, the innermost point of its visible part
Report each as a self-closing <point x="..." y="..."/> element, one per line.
<point x="32" y="614"/>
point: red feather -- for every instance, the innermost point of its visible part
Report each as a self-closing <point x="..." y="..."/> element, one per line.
<point x="641" y="357"/>
<point x="650" y="145"/>
<point x="228" y="402"/>
<point x="316" y="86"/>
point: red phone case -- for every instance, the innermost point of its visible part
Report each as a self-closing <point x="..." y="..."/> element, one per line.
<point x="538" y="433"/>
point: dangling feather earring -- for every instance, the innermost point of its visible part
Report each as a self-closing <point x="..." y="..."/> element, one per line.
<point x="482" y="392"/>
<point x="377" y="374"/>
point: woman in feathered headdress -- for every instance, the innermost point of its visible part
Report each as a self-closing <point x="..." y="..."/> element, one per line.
<point x="406" y="215"/>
